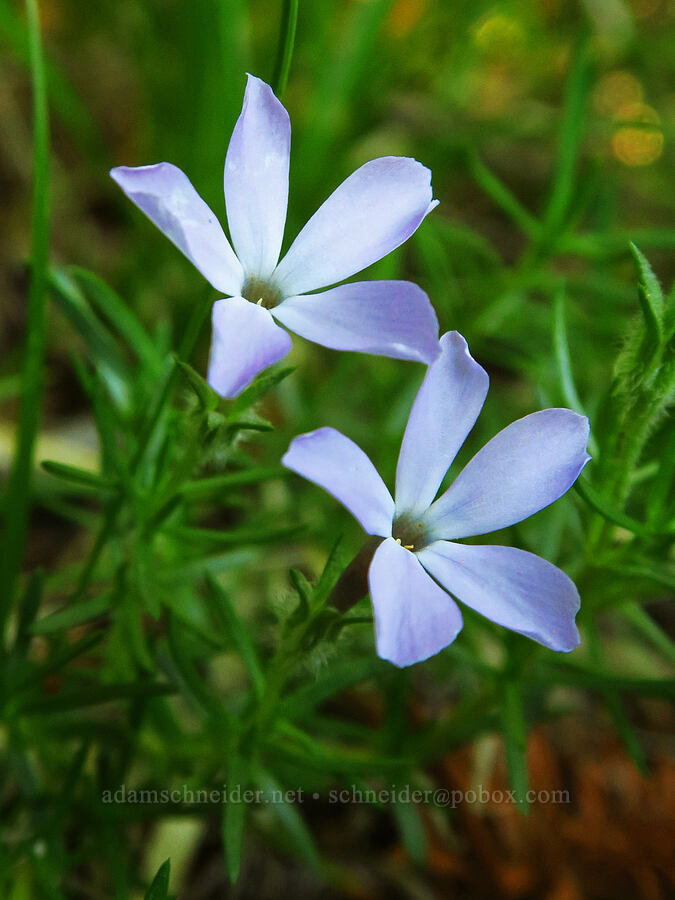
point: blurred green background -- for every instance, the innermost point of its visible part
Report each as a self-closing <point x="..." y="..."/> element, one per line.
<point x="549" y="128"/>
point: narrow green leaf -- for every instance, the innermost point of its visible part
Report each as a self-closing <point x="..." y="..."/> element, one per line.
<point x="234" y="814"/>
<point x="334" y="567"/>
<point x="235" y="536"/>
<point x="626" y="731"/>
<point x="74" y="614"/>
<point x="76" y="475"/>
<point x="596" y="679"/>
<point x="232" y="625"/>
<point x="17" y="494"/>
<point x="208" y="487"/>
<point x="570" y="137"/>
<point x="515" y="741"/>
<point x="650" y="296"/>
<point x="262" y="384"/>
<point x="304" y="591"/>
<point x="249" y="422"/>
<point x="207" y="397"/>
<point x="159" y="889"/>
<point x="59" y="660"/>
<point x="502" y="196"/>
<point x="68" y="700"/>
<point x="288" y="816"/>
<point x="607" y="510"/>
<point x="641" y="567"/>
<point x="289" y="21"/>
<point x="412" y="832"/>
<point x="28" y="609"/>
<point x="76" y="308"/>
<point x="640" y="619"/>
<point x="562" y="352"/>
<point x="342" y="675"/>
<point x="111" y="305"/>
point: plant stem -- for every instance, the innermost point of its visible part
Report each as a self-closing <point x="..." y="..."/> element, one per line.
<point x="289" y="21"/>
<point x="17" y="497"/>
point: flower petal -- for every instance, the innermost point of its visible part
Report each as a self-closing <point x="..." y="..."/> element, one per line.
<point x="245" y="341"/>
<point x="511" y="587"/>
<point x="414" y="617"/>
<point x="372" y="212"/>
<point x="256" y="179"/>
<point x="445" y="409"/>
<point x="339" y="466"/>
<point x="168" y="199"/>
<point x="521" y="470"/>
<point x="387" y="318"/>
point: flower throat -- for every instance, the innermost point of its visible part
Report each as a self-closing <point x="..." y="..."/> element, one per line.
<point x="257" y="290"/>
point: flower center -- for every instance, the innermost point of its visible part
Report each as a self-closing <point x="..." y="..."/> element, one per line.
<point x="257" y="290"/>
<point x="409" y="533"/>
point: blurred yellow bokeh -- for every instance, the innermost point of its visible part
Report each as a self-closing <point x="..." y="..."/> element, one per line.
<point x="497" y="32"/>
<point x="640" y="141"/>
<point x="614" y="90"/>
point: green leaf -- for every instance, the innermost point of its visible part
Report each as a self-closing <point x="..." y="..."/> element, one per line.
<point x="28" y="609"/>
<point x="642" y="567"/>
<point x="488" y="182"/>
<point x="159" y="889"/>
<point x="68" y="700"/>
<point x="76" y="475"/>
<point x="17" y="496"/>
<point x="288" y="816"/>
<point x="100" y="343"/>
<point x="289" y="21"/>
<point x="562" y="352"/>
<point x="301" y="749"/>
<point x="230" y="622"/>
<point x="255" y="391"/>
<point x="597" y="679"/>
<point x="342" y="675"/>
<point x="514" y="731"/>
<point x="607" y="510"/>
<point x="412" y="832"/>
<point x="570" y="137"/>
<point x="60" y="659"/>
<point x="304" y="591"/>
<point x="249" y="421"/>
<point x="207" y="488"/>
<point x="625" y="730"/>
<point x="235" y="536"/>
<point x="650" y="296"/>
<point x="234" y="815"/>
<point x="334" y="567"/>
<point x="182" y="654"/>
<point x="208" y="399"/>
<point x="111" y="305"/>
<point x="640" y="619"/>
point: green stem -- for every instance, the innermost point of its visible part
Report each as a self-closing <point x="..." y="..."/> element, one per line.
<point x="289" y="21"/>
<point x="17" y="498"/>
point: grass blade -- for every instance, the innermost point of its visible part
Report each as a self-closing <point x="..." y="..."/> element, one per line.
<point x="17" y="500"/>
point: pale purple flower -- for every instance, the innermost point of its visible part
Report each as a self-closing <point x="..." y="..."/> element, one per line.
<point x="370" y="214"/>
<point x="419" y="564"/>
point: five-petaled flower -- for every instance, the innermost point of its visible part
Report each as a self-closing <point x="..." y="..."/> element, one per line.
<point x="370" y="214"/>
<point x="522" y="469"/>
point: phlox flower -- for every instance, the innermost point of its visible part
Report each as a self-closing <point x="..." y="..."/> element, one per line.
<point x="370" y="214"/>
<point x="420" y="564"/>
